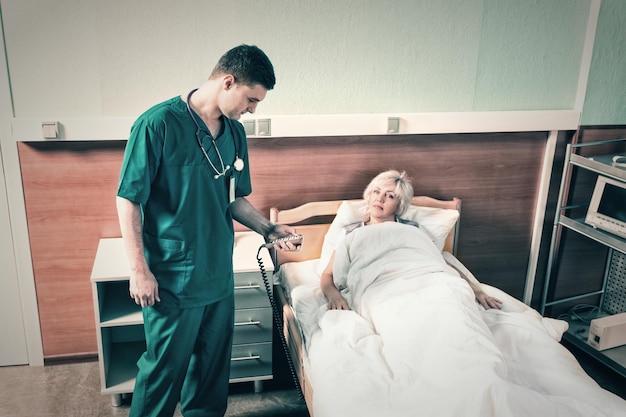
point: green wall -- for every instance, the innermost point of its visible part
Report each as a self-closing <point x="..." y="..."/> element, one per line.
<point x="605" y="100"/>
<point x="114" y="58"/>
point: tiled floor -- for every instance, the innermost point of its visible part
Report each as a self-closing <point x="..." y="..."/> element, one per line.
<point x="73" y="390"/>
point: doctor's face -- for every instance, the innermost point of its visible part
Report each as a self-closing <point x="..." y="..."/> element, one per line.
<point x="383" y="202"/>
<point x="238" y="99"/>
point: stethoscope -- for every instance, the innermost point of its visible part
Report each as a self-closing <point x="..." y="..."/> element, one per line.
<point x="238" y="164"/>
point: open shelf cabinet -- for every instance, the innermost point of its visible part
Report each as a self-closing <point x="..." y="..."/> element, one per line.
<point x="586" y="265"/>
<point x="119" y="321"/>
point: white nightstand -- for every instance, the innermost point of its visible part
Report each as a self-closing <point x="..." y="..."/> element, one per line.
<point x="252" y="341"/>
<point x="119" y="322"/>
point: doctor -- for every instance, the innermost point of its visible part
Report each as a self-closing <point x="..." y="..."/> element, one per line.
<point x="184" y="178"/>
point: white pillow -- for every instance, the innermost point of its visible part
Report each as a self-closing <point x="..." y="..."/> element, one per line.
<point x="437" y="222"/>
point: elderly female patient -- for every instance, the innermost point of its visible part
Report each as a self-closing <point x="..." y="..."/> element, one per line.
<point x="388" y="196"/>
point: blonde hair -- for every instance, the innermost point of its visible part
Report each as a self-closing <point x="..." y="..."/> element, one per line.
<point x="404" y="189"/>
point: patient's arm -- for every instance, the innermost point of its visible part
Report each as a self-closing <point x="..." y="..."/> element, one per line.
<point x="332" y="294"/>
<point x="482" y="297"/>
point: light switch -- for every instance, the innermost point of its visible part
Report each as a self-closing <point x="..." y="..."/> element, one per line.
<point x="50" y="130"/>
<point x="264" y="127"/>
<point x="249" y="127"/>
<point x="393" y="125"/>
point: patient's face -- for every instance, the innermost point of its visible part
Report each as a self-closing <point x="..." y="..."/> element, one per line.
<point x="383" y="203"/>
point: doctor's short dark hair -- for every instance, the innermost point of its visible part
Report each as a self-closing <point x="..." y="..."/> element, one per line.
<point x="404" y="188"/>
<point x="248" y="64"/>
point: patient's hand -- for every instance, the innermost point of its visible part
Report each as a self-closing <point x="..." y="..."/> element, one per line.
<point x="486" y="300"/>
<point x="327" y="285"/>
<point x="337" y="302"/>
<point x="482" y="297"/>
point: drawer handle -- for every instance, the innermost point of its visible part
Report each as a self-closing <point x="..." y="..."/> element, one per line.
<point x="246" y="358"/>
<point x="248" y="323"/>
<point x="248" y="287"/>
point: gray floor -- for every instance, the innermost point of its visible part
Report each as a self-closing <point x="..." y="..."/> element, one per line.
<point x="70" y="390"/>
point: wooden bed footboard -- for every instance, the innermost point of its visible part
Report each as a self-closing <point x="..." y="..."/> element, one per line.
<point x="295" y="345"/>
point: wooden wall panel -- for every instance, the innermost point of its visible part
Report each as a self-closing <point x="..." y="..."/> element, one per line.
<point x="69" y="190"/>
<point x="594" y="133"/>
<point x="497" y="175"/>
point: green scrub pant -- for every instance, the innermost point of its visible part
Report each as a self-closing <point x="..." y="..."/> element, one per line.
<point x="187" y="359"/>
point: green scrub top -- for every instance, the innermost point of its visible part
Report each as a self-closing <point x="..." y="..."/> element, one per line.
<point x="188" y="229"/>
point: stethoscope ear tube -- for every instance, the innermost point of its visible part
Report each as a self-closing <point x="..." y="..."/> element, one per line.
<point x="238" y="163"/>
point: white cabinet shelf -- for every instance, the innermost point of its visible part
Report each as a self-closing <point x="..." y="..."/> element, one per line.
<point x="122" y="368"/>
<point x="116" y="306"/>
<point x="119" y="321"/>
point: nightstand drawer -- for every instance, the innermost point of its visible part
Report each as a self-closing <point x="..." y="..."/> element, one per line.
<point x="253" y="325"/>
<point x="252" y="360"/>
<point x="250" y="290"/>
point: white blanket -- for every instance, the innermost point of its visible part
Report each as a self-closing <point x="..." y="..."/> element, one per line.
<point x="416" y="343"/>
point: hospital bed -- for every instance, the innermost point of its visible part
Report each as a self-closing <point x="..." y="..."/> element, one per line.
<point x="416" y="342"/>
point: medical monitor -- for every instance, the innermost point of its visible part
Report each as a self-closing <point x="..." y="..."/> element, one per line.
<point x="607" y="209"/>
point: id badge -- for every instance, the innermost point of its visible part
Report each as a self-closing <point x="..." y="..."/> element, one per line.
<point x="231" y="187"/>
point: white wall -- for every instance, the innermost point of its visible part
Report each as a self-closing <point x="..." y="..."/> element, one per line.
<point x="13" y="347"/>
<point x="19" y="318"/>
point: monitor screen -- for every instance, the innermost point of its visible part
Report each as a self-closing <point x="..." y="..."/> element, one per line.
<point x="613" y="202"/>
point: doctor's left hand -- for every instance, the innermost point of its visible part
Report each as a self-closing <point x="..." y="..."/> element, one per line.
<point x="144" y="288"/>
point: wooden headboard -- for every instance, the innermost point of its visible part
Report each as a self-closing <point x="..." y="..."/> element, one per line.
<point x="313" y="219"/>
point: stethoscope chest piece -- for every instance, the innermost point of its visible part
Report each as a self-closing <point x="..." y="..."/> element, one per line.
<point x="238" y="164"/>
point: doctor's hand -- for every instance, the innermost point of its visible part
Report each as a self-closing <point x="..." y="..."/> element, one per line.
<point x="144" y="288"/>
<point x="281" y="231"/>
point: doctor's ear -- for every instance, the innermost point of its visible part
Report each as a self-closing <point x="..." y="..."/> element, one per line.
<point x="229" y="81"/>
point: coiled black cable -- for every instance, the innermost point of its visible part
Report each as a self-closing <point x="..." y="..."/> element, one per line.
<point x="278" y="320"/>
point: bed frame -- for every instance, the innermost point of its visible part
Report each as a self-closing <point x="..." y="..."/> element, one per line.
<point x="312" y="220"/>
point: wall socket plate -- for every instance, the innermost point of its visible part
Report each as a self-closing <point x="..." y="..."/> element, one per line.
<point x="393" y="125"/>
<point x="50" y="130"/>
<point x="249" y="126"/>
<point x="264" y="127"/>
